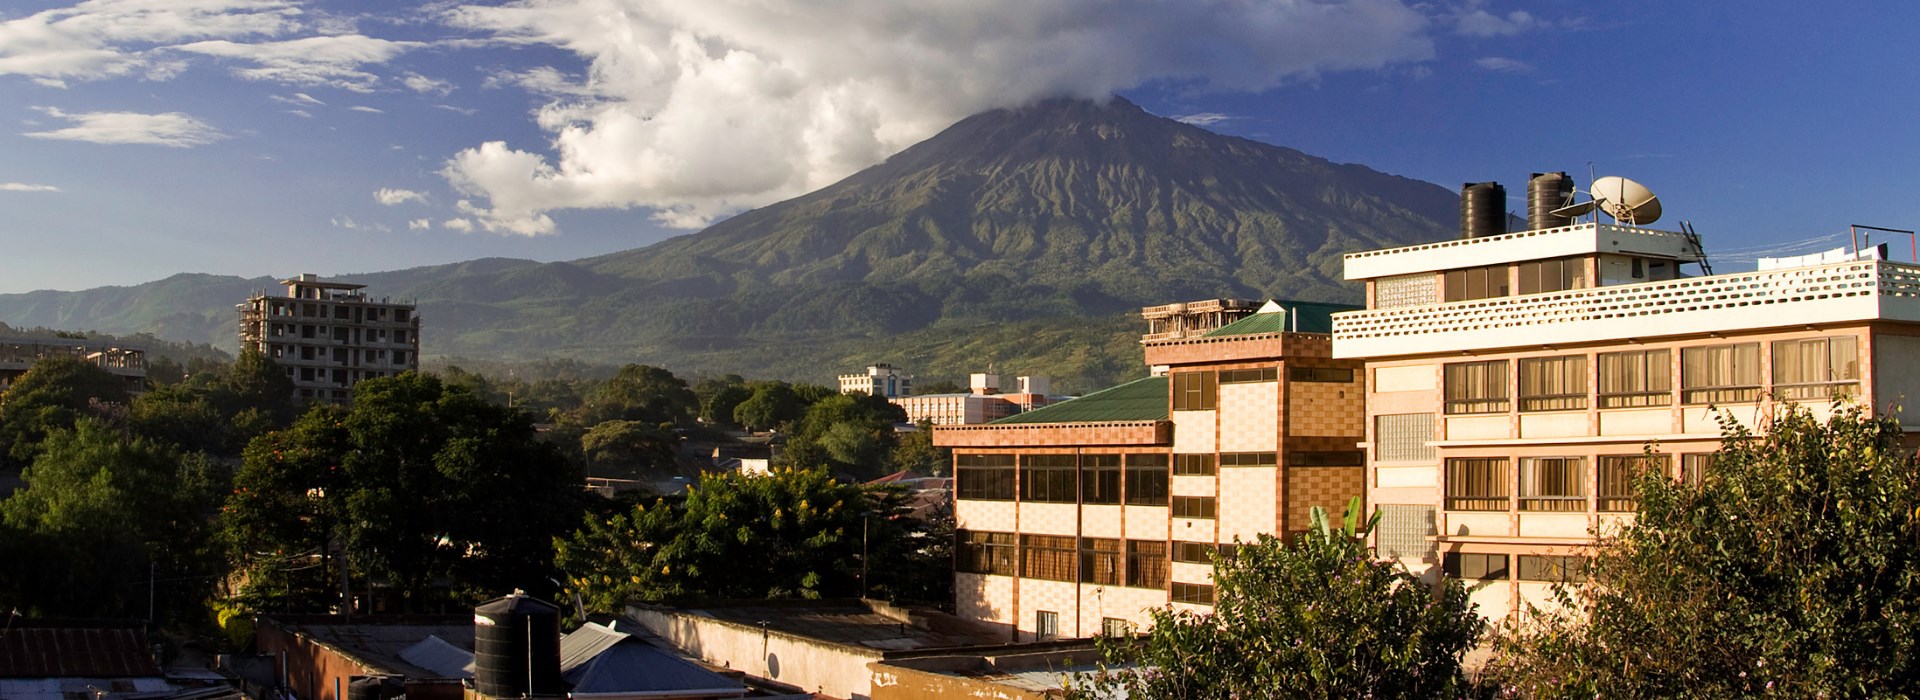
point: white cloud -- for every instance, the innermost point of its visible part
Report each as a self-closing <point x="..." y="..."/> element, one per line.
<point x="419" y="224"/>
<point x="300" y="113"/>
<point x="106" y="38"/>
<point x="347" y="222"/>
<point x="26" y="187"/>
<point x="298" y="98"/>
<point x="423" y="84"/>
<point x="331" y="61"/>
<point x="368" y="110"/>
<point x="461" y="225"/>
<point x="698" y="108"/>
<point x="169" y="129"/>
<point x="1475" y="20"/>
<point x="1500" y="64"/>
<point x="463" y="110"/>
<point x="1204" y="118"/>
<point x="391" y="196"/>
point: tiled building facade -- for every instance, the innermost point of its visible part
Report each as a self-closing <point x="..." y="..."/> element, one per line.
<point x="1518" y="382"/>
<point x="1077" y="518"/>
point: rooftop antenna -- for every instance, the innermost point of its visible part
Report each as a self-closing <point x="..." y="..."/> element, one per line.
<point x="1626" y="201"/>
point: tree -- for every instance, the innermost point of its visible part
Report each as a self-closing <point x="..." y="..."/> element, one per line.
<point x="644" y="393"/>
<point x="852" y="433"/>
<point x="632" y="447"/>
<point x="419" y="481"/>
<point x="772" y="405"/>
<point x="1319" y="617"/>
<point x="1788" y="569"/>
<point x="53" y="394"/>
<point x="914" y="452"/>
<point x="717" y="406"/>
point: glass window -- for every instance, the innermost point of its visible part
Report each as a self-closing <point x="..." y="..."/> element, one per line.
<point x="1248" y="376"/>
<point x="1194" y="552"/>
<point x="1046" y="625"/>
<point x="1617" y="473"/>
<point x="1720" y="374"/>
<point x="986" y="552"/>
<point x="1100" y="479"/>
<point x="1193" y="507"/>
<point x="1115" y="627"/>
<point x="1146" y="480"/>
<point x="1405" y="290"/>
<point x="1816" y="368"/>
<point x="1635" y="378"/>
<point x="1195" y="593"/>
<point x="1049" y="478"/>
<point x="1047" y="556"/>
<point x="1553" y="484"/>
<point x="1349" y="458"/>
<point x="1193" y="465"/>
<point x="1477" y="483"/>
<point x="1147" y="564"/>
<point x="1337" y="375"/>
<point x="1477" y="283"/>
<point x="1249" y="459"/>
<point x="984" y="477"/>
<point x="1100" y="561"/>
<point x="1552" y="275"/>
<point x="1560" y="569"/>
<point x="1476" y="387"/>
<point x="1403" y="437"/>
<point x="1478" y="567"/>
<point x="1695" y="467"/>
<point x="1195" y="391"/>
<point x="1553" y="383"/>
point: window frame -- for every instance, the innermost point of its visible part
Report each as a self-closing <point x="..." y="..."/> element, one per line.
<point x="1554" y="484"/>
<point x="1320" y="375"/>
<point x="1498" y="474"/>
<point x="1049" y="483"/>
<point x="1696" y="391"/>
<point x="1099" y="481"/>
<point x="988" y="553"/>
<point x="1566" y="274"/>
<point x="1103" y="561"/>
<point x="1193" y="507"/>
<point x="1249" y="459"/>
<point x="1141" y="474"/>
<point x="1195" y="391"/>
<point x="1489" y="393"/>
<point x="1823" y="388"/>
<point x="1551" y="568"/>
<point x="1476" y="566"/>
<point x="1049" y="557"/>
<point x="1147" y="564"/>
<point x="1563" y="370"/>
<point x="997" y="482"/>
<point x="1194" y="465"/>
<point x="1459" y="283"/>
<point x="1249" y="376"/>
<point x="1652" y="387"/>
<point x="1191" y="593"/>
<point x="1615" y="474"/>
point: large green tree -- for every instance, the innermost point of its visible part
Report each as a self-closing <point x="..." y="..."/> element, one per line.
<point x="644" y="393"/>
<point x="852" y="433"/>
<point x="1317" y="617"/>
<point x="53" y="394"/>
<point x="417" y="482"/>
<point x="1790" y="569"/>
<point x="630" y="449"/>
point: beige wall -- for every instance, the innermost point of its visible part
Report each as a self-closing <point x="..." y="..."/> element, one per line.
<point x="809" y="664"/>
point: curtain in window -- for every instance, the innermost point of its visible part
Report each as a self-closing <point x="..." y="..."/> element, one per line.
<point x="1637" y="378"/>
<point x="1617" y="473"/>
<point x="1553" y="484"/>
<point x="1553" y="383"/>
<point x="1147" y="564"/>
<point x="1476" y="387"/>
<point x="1478" y="483"/>
<point x="1815" y="368"/>
<point x="1720" y="373"/>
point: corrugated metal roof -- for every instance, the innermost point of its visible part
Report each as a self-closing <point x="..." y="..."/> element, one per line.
<point x="603" y="661"/>
<point x="1286" y="317"/>
<point x="1138" y="400"/>
<point x="56" y="652"/>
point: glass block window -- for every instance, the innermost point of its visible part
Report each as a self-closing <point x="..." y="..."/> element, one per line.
<point x="1403" y="437"/>
<point x="1407" y="531"/>
<point x="1405" y="290"/>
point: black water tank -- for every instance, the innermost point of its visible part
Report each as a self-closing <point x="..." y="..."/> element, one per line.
<point x="1545" y="193"/>
<point x="516" y="648"/>
<point x="1483" y="209"/>
<point x="368" y="688"/>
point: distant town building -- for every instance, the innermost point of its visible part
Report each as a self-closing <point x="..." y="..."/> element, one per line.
<point x="1075" y="519"/>
<point x="18" y="356"/>
<point x="879" y="380"/>
<point x="1194" y="318"/>
<point x="982" y="403"/>
<point x="329" y="335"/>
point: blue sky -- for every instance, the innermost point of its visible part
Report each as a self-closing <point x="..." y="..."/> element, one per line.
<point x="140" y="138"/>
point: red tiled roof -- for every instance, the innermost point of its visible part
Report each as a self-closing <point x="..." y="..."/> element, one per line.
<point x="93" y="652"/>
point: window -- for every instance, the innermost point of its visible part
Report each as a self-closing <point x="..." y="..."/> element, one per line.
<point x="1100" y="561"/>
<point x="1100" y="479"/>
<point x="1147" y="564"/>
<point x="1553" y="484"/>
<point x="1340" y="375"/>
<point x="339" y="354"/>
<point x="1720" y="374"/>
<point x="1193" y="465"/>
<point x="1193" y="507"/>
<point x="399" y="336"/>
<point x="1477" y="283"/>
<point x="1146" y="480"/>
<point x="1553" y="383"/>
<point x="1407" y="531"/>
<point x="1195" y="391"/>
<point x="340" y="335"/>
<point x="1816" y="368"/>
<point x="1617" y="473"/>
<point x="1047" y="556"/>
<point x="399" y="357"/>
<point x="1405" y="290"/>
<point x="1194" y="552"/>
<point x="984" y="477"/>
<point x="1559" y="569"/>
<point x="1403" y="437"/>
<point x="1478" y="567"/>
<point x="1115" y="627"/>
<point x="1695" y="467"/>
<point x="1477" y="483"/>
<point x="1327" y="459"/>
<point x="1046" y="625"/>
<point x="1195" y="593"/>
<point x="986" y="553"/>
<point x="1248" y="376"/>
<point x="1636" y="378"/>
<point x="1476" y="387"/>
<point x="1049" y="478"/>
<point x="1249" y="459"/>
<point x="1552" y="275"/>
<point x="401" y="315"/>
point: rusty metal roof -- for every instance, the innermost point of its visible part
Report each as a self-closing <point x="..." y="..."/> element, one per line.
<point x="94" y="652"/>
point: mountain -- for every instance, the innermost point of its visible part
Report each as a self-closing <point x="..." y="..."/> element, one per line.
<point x="1022" y="238"/>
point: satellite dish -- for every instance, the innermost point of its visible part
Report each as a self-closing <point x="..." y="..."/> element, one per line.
<point x="1573" y="210"/>
<point x="1625" y="200"/>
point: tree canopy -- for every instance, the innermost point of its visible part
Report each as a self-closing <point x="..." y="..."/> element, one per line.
<point x="53" y="394"/>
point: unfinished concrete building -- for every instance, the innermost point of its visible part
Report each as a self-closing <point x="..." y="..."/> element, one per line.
<point x="330" y="335"/>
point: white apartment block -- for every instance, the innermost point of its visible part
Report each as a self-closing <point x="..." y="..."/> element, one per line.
<point x="879" y="380"/>
<point x="328" y="336"/>
<point x="1515" y="382"/>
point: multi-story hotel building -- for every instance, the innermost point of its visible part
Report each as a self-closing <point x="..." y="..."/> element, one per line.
<point x="982" y="403"/>
<point x="1076" y="518"/>
<point x="879" y="380"/>
<point x="1518" y="381"/>
<point x="329" y="335"/>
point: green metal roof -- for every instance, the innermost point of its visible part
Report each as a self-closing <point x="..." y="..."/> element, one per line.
<point x="1140" y="399"/>
<point x="1280" y="317"/>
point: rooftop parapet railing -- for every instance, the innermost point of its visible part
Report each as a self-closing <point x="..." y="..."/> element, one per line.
<point x="1517" y="235"/>
<point x="1851" y="291"/>
<point x="1538" y="244"/>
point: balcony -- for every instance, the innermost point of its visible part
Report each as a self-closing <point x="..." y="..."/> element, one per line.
<point x="1839" y="292"/>
<point x="1538" y="244"/>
